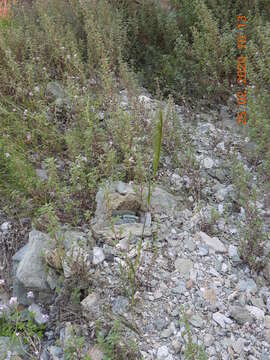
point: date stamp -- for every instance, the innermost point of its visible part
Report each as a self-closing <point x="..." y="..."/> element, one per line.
<point x="242" y="70"/>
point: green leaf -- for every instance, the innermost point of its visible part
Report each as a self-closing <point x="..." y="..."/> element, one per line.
<point x="157" y="143"/>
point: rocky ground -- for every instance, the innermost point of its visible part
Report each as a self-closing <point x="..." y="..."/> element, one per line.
<point x="190" y="265"/>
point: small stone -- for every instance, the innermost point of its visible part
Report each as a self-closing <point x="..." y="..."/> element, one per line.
<point x="98" y="255"/>
<point x="91" y="306"/>
<point x="266" y="335"/>
<point x="248" y="285"/>
<point x="221" y="319"/>
<point x="241" y="315"/>
<point x="220" y="208"/>
<point x="238" y="346"/>
<point x="120" y="305"/>
<point x="208" y="340"/>
<point x="256" y="312"/>
<point x="121" y="188"/>
<point x="162" y="353"/>
<point x="221" y="146"/>
<point x="166" y="333"/>
<point x="42" y="174"/>
<point x="203" y="250"/>
<point x="214" y="243"/>
<point x="179" y="289"/>
<point x="5" y="226"/>
<point x="161" y="323"/>
<point x="176" y="344"/>
<point x="196" y="321"/>
<point x="158" y="294"/>
<point x="189" y="244"/>
<point x="56" y="352"/>
<point x="183" y="266"/>
<point x="208" y="163"/>
<point x="233" y="252"/>
<point x="267" y="321"/>
<point x="224" y="267"/>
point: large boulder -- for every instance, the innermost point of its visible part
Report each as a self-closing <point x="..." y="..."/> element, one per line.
<point x="37" y="265"/>
<point x="30" y="269"/>
<point x="10" y="346"/>
<point x="130" y="202"/>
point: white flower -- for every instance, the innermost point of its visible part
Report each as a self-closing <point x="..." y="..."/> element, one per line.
<point x="7" y="155"/>
<point x="30" y="295"/>
<point x="31" y="94"/>
<point x="45" y="317"/>
<point x="13" y="301"/>
<point x="2" y="282"/>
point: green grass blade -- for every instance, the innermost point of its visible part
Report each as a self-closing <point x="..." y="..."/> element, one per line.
<point x="157" y="143"/>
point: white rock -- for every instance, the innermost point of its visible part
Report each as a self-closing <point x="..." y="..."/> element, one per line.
<point x="208" y="163"/>
<point x="221" y="319"/>
<point x="214" y="243"/>
<point x="224" y="267"/>
<point x="208" y="340"/>
<point x="238" y="346"/>
<point x="91" y="306"/>
<point x="98" y="255"/>
<point x="232" y="251"/>
<point x="221" y="146"/>
<point x="162" y="353"/>
<point x="220" y="208"/>
<point x="144" y="99"/>
<point x="256" y="312"/>
<point x="5" y="226"/>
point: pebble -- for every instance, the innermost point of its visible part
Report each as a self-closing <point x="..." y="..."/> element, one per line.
<point x="213" y="242"/>
<point x="221" y="319"/>
<point x="162" y="353"/>
<point x="183" y="266"/>
<point x="248" y="285"/>
<point x="208" y="340"/>
<point x="98" y="255"/>
<point x="241" y="315"/>
<point x="196" y="320"/>
<point x="238" y="346"/>
<point x="256" y="312"/>
<point x="5" y="226"/>
<point x="208" y="163"/>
